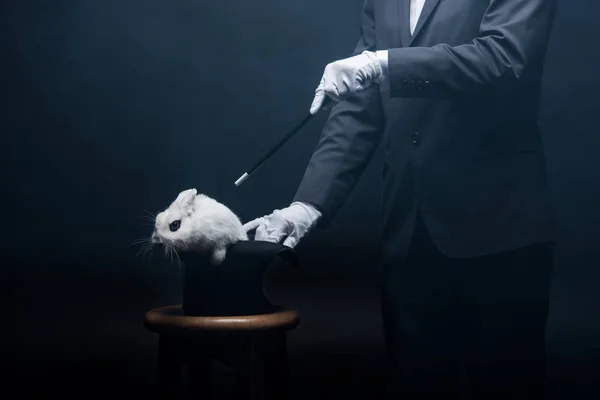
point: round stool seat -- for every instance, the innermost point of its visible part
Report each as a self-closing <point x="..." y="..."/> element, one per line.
<point x="172" y="318"/>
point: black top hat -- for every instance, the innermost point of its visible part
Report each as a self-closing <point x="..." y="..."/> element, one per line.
<point x="235" y="287"/>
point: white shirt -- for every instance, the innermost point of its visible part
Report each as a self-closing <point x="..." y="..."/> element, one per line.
<point x="416" y="7"/>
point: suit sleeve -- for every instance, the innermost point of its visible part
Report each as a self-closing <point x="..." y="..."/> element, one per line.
<point x="348" y="141"/>
<point x="513" y="39"/>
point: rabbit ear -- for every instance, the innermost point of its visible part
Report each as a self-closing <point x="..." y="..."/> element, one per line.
<point x="186" y="198"/>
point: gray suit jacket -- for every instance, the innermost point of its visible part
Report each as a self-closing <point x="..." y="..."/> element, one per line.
<point x="459" y="126"/>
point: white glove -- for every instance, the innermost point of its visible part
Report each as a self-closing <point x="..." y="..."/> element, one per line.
<point x="291" y="223"/>
<point x="349" y="76"/>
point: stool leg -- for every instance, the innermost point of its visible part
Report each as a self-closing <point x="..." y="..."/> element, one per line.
<point x="199" y="378"/>
<point x="249" y="370"/>
<point x="276" y="367"/>
<point x="168" y="369"/>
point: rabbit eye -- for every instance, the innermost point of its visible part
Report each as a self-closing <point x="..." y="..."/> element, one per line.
<point x="175" y="225"/>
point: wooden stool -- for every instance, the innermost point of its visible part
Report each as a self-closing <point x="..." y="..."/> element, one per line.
<point x="255" y="346"/>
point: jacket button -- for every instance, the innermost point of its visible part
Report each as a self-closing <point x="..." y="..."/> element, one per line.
<point x="415" y="137"/>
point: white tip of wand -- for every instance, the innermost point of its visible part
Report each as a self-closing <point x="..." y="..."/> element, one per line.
<point x="241" y="179"/>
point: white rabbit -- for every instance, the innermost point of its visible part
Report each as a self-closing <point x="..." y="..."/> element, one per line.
<point x="197" y="223"/>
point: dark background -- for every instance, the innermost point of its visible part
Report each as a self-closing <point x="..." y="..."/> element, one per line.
<point x="115" y="106"/>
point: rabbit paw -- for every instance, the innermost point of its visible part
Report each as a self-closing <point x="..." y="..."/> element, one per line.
<point x="218" y="256"/>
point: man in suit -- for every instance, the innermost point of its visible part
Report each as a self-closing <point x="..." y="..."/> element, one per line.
<point x="452" y="87"/>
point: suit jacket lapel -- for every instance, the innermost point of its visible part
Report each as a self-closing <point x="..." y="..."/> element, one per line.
<point x="404" y="21"/>
<point x="428" y="9"/>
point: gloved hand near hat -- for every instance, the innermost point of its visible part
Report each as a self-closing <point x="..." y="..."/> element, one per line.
<point x="290" y="224"/>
